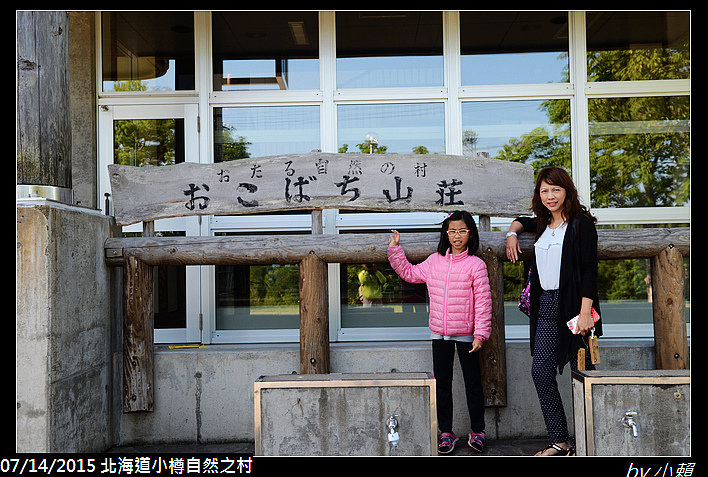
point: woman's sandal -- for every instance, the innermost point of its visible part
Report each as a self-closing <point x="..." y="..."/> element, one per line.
<point x="559" y="451"/>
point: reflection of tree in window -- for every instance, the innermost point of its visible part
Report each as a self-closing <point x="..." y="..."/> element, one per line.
<point x="231" y="146"/>
<point x="639" y="149"/>
<point x="638" y="45"/>
<point x="639" y="146"/>
<point x="403" y="304"/>
<point x="148" y="142"/>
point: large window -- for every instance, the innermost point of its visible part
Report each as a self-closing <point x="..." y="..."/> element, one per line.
<point x="374" y="296"/>
<point x="270" y="50"/>
<point x="148" y="51"/>
<point x="404" y="128"/>
<point x="507" y="47"/>
<point x="258" y="131"/>
<point x="520" y="131"/>
<point x="389" y="49"/>
<point x="257" y="297"/>
<point x="145" y="136"/>
<point x="640" y="151"/>
<point x="604" y="94"/>
<point x="630" y="46"/>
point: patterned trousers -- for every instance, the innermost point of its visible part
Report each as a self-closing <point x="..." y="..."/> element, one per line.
<point x="543" y="368"/>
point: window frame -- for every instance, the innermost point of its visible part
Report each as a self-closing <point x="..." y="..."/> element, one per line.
<point x="190" y="225"/>
<point x="120" y="96"/>
<point x="578" y="90"/>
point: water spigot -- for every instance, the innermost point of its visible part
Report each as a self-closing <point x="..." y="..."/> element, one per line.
<point x="628" y="421"/>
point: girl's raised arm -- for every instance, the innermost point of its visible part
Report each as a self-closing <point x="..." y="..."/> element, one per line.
<point x="394" y="239"/>
<point x="406" y="270"/>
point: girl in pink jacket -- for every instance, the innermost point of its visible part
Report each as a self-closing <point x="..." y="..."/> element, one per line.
<point x="460" y="316"/>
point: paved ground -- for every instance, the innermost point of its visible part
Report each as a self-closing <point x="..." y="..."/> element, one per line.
<point x="526" y="447"/>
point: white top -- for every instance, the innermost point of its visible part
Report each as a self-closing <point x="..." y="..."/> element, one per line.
<point x="548" y="249"/>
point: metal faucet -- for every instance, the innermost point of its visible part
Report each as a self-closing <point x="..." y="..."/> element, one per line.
<point x="392" y="424"/>
<point x="628" y="421"/>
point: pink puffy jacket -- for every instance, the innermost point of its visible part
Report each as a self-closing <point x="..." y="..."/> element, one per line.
<point x="458" y="286"/>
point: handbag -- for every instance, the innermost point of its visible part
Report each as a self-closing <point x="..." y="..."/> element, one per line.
<point x="525" y="299"/>
<point x="593" y="347"/>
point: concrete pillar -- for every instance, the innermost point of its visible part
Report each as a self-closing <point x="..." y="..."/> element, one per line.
<point x="63" y="329"/>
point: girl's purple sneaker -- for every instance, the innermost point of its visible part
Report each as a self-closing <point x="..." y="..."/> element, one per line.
<point x="447" y="442"/>
<point x="476" y="441"/>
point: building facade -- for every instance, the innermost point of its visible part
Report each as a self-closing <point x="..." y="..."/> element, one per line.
<point x="604" y="94"/>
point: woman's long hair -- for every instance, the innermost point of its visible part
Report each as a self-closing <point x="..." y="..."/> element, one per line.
<point x="571" y="206"/>
<point x="473" y="241"/>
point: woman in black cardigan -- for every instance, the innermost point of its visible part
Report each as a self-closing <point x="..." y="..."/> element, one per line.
<point x="563" y="285"/>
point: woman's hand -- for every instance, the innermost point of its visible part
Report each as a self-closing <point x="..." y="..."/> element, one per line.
<point x="394" y="239"/>
<point x="513" y="248"/>
<point x="585" y="322"/>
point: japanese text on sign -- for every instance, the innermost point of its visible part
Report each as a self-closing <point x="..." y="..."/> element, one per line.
<point x="316" y="181"/>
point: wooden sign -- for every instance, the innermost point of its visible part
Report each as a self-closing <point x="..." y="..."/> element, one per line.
<point x="374" y="182"/>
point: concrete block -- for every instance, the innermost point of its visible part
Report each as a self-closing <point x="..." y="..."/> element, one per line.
<point x="63" y="329"/>
<point x="632" y="413"/>
<point x="345" y="414"/>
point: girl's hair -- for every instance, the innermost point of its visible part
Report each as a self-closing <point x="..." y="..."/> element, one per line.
<point x="472" y="242"/>
<point x="571" y="206"/>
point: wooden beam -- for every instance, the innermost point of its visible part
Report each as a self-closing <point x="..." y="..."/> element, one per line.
<point x="669" y="307"/>
<point x="356" y="248"/>
<point x="138" y="336"/>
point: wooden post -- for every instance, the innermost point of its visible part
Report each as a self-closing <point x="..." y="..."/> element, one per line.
<point x="316" y="222"/>
<point x="493" y="353"/>
<point x="314" y="316"/>
<point x="669" y="307"/>
<point x="43" y="109"/>
<point x="138" y="331"/>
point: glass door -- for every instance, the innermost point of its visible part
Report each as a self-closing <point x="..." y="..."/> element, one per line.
<point x="157" y="135"/>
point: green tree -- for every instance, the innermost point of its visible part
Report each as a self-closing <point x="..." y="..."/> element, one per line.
<point x="144" y="142"/>
<point x="236" y="148"/>
<point x="540" y="148"/>
<point x="469" y="141"/>
<point x="365" y="148"/>
<point x="130" y="85"/>
<point x="639" y="152"/>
